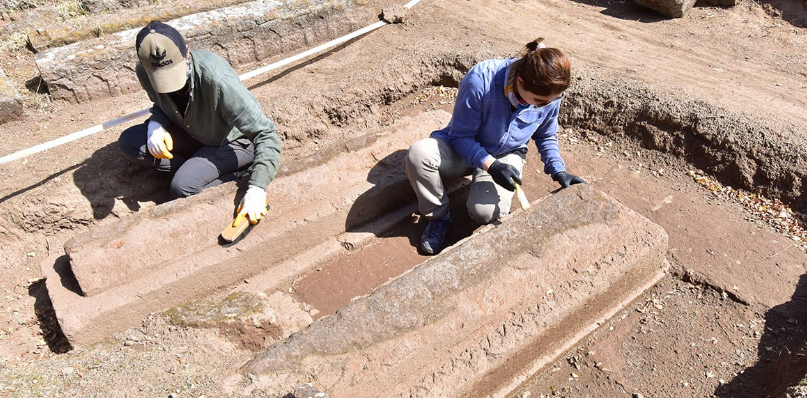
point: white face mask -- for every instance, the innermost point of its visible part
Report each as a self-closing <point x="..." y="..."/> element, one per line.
<point x="511" y="95"/>
<point x="510" y="90"/>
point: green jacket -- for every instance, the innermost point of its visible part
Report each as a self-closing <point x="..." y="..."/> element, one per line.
<point x="220" y="110"/>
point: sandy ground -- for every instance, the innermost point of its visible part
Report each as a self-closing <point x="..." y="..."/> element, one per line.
<point x="733" y="333"/>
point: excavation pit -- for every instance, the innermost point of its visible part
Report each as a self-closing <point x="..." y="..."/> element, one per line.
<point x="553" y="272"/>
<point x="620" y="101"/>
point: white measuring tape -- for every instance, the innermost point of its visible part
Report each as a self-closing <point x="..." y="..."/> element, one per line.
<point x="143" y="112"/>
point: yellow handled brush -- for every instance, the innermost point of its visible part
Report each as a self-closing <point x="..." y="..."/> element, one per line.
<point x="522" y="198"/>
<point x="237" y="229"/>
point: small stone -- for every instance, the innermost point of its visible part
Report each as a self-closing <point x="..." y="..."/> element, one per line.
<point x="307" y="391"/>
<point x="393" y="14"/>
<point x="67" y="371"/>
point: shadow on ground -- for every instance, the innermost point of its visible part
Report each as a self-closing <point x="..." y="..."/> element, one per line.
<point x="626" y="10"/>
<point x="390" y="191"/>
<point x="43" y="182"/>
<point x="107" y="175"/>
<point x="46" y="317"/>
<point x="792" y="11"/>
<point x="386" y="197"/>
<point x="782" y="352"/>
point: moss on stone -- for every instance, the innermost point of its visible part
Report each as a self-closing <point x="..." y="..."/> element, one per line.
<point x="209" y="313"/>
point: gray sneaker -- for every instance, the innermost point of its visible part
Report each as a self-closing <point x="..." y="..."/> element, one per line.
<point x="432" y="240"/>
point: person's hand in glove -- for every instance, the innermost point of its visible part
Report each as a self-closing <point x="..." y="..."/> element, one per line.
<point x="565" y="179"/>
<point x="159" y="141"/>
<point x="253" y="205"/>
<point x="504" y="175"/>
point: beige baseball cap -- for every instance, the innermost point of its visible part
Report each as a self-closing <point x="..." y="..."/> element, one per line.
<point x="162" y="51"/>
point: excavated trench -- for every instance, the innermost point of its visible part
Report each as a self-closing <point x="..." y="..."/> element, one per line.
<point x="736" y="149"/>
<point x="712" y="139"/>
<point x="333" y="280"/>
<point x="724" y="144"/>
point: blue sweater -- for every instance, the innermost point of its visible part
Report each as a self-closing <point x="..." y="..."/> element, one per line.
<point x="485" y="124"/>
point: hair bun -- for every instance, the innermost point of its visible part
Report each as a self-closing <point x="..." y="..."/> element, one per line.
<point x="535" y="44"/>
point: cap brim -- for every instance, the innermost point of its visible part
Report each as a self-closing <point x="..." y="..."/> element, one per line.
<point x="168" y="80"/>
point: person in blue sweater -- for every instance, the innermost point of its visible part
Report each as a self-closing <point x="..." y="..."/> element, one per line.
<point x="501" y="104"/>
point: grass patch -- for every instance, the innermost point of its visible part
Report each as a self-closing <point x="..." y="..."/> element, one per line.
<point x="14" y="42"/>
<point x="22" y="5"/>
<point x="71" y="9"/>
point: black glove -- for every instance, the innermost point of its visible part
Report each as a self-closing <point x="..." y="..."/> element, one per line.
<point x="504" y="175"/>
<point x="565" y="179"/>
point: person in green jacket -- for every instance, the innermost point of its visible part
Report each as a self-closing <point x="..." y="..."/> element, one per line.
<point x="205" y="126"/>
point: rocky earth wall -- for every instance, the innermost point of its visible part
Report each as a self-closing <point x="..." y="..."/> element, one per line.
<point x="92" y="70"/>
<point x="744" y="151"/>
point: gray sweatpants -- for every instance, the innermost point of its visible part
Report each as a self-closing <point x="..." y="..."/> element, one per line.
<point x="195" y="166"/>
<point x="431" y="160"/>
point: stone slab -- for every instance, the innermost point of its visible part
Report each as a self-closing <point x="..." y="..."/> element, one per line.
<point x="103" y="67"/>
<point x="169" y="255"/>
<point x="46" y="28"/>
<point x="10" y="100"/>
<point x="668" y="8"/>
<point x="721" y="3"/>
<point x="753" y="265"/>
<point x="481" y="317"/>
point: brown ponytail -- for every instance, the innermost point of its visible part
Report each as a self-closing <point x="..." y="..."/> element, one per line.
<point x="545" y="71"/>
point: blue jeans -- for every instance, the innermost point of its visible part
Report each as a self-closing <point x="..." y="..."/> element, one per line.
<point x="195" y="166"/>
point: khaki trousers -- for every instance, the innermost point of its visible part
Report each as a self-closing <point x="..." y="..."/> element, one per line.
<point x="432" y="160"/>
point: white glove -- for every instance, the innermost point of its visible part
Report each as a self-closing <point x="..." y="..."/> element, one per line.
<point x="253" y="205"/>
<point x="158" y="141"/>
